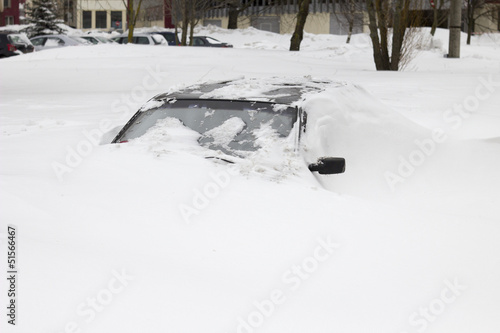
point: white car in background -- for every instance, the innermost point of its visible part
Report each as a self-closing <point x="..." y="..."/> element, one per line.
<point x="142" y="39"/>
<point x="54" y="41"/>
<point x="95" y="39"/>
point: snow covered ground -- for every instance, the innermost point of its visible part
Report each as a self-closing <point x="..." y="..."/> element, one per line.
<point x="405" y="241"/>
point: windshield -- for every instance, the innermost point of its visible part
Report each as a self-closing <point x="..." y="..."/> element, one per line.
<point x="90" y="39"/>
<point x="213" y="40"/>
<point x="19" y="39"/>
<point x="158" y="39"/>
<point x="104" y="40"/>
<point x="80" y="40"/>
<point x="228" y="126"/>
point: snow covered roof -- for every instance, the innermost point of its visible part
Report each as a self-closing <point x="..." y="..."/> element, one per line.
<point x="276" y="89"/>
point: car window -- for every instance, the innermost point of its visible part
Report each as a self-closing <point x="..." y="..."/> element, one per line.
<point x="54" y="41"/>
<point x="214" y="119"/>
<point x="141" y="40"/>
<point x="158" y="39"/>
<point x="18" y="39"/>
<point x="211" y="40"/>
<point x="103" y="40"/>
<point x="80" y="40"/>
<point x="170" y="38"/>
<point x="38" y="41"/>
<point x="198" y="42"/>
<point x="90" y="39"/>
<point x="120" y="40"/>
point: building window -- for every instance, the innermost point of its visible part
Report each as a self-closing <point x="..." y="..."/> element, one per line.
<point x="116" y="20"/>
<point x="7" y="4"/>
<point x="9" y="20"/>
<point x="87" y="19"/>
<point x="101" y="19"/>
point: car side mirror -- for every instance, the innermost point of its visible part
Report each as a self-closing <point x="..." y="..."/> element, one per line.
<point x="328" y="165"/>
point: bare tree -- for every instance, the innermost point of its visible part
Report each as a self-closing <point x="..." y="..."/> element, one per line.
<point x="298" y="34"/>
<point x="349" y="11"/>
<point x="235" y="8"/>
<point x="478" y="12"/>
<point x="132" y="14"/>
<point x="188" y="13"/>
<point x="439" y="14"/>
<point x="382" y="15"/>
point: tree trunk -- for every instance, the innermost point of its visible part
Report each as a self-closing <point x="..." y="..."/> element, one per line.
<point x="185" y="23"/>
<point x="233" y="17"/>
<point x="133" y="14"/>
<point x="382" y="10"/>
<point x="434" y="20"/>
<point x="192" y="21"/>
<point x="470" y="21"/>
<point x="398" y="33"/>
<point x="351" y="17"/>
<point x="191" y="32"/>
<point x="298" y="34"/>
<point x="455" y="27"/>
<point x="372" y="25"/>
<point x="131" y="25"/>
<point x="349" y="34"/>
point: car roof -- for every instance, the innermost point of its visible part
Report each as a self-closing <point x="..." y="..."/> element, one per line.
<point x="9" y="32"/>
<point x="140" y="34"/>
<point x="274" y="90"/>
<point x="44" y="36"/>
<point x="159" y="32"/>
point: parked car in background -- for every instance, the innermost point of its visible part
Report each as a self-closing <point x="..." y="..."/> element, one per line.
<point x="208" y="42"/>
<point x="13" y="43"/>
<point x="171" y="37"/>
<point x="55" y="41"/>
<point x="143" y="39"/>
<point x="94" y="39"/>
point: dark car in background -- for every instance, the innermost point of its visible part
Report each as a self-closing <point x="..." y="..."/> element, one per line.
<point x="171" y="37"/>
<point x="13" y="43"/>
<point x="207" y="41"/>
<point x="142" y="39"/>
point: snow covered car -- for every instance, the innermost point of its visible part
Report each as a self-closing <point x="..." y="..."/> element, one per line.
<point x="54" y="41"/>
<point x="13" y="43"/>
<point x="143" y="39"/>
<point x="96" y="39"/>
<point x="171" y="37"/>
<point x="209" y="119"/>
<point x="209" y="42"/>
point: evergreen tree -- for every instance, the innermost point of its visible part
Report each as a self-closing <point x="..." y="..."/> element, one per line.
<point x="41" y="17"/>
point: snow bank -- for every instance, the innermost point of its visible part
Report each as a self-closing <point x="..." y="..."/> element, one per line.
<point x="321" y="260"/>
<point x="347" y="121"/>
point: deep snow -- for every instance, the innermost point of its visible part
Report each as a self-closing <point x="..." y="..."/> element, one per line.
<point x="211" y="248"/>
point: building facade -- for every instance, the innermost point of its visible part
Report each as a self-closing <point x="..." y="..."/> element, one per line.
<point x="10" y="12"/>
<point x="100" y="15"/>
<point x="325" y="17"/>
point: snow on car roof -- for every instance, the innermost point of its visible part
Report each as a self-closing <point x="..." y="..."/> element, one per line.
<point x="276" y="89"/>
